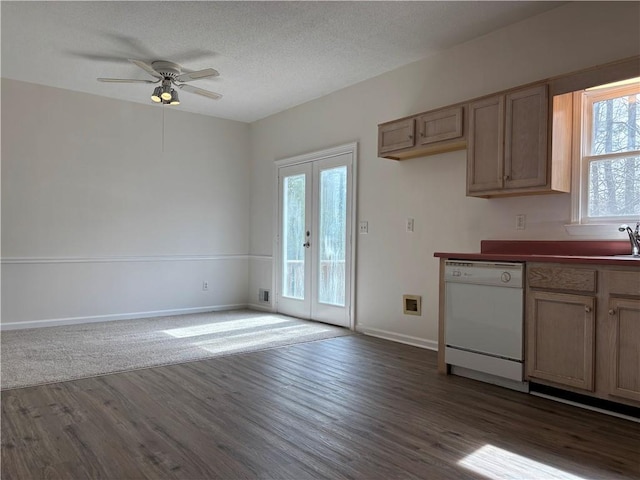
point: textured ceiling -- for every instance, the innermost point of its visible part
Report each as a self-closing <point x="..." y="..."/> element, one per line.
<point x="271" y="55"/>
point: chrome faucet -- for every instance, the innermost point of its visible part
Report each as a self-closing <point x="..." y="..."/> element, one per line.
<point x="634" y="238"/>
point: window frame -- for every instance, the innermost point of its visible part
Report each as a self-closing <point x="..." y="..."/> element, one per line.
<point x="582" y="136"/>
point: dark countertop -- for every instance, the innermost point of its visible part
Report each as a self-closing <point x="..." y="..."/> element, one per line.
<point x="562" y="251"/>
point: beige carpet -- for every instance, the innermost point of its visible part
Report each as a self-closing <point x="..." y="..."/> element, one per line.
<point x="54" y="354"/>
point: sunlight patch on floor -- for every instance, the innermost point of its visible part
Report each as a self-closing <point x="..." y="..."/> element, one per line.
<point x="255" y="339"/>
<point x="229" y="326"/>
<point x="498" y="464"/>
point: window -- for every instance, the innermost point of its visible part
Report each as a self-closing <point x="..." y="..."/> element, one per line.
<point x="607" y="181"/>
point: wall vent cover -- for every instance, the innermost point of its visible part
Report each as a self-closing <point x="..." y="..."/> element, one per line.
<point x="412" y="304"/>
<point x="263" y="295"/>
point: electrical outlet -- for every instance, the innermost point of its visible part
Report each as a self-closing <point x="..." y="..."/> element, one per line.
<point x="205" y="286"/>
<point x="409" y="224"/>
<point x="521" y="221"/>
<point x="364" y="227"/>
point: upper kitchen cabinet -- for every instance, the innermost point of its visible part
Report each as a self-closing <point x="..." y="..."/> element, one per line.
<point x="396" y="137"/>
<point x="441" y="125"/>
<point x="438" y="131"/>
<point x="485" y="152"/>
<point x="519" y="141"/>
<point x="508" y="146"/>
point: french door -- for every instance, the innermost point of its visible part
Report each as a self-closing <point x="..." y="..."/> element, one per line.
<point x="314" y="242"/>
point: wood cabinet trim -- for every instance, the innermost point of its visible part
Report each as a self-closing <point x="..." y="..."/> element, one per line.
<point x="562" y="278"/>
<point x="623" y="282"/>
<point x="596" y="75"/>
<point x="442" y="364"/>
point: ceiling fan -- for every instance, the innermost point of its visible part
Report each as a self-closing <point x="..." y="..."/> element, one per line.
<point x="168" y="74"/>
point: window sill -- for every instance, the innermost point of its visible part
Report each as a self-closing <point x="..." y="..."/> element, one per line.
<point x="607" y="231"/>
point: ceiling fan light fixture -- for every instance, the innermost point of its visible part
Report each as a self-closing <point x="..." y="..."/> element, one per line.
<point x="155" y="96"/>
<point x="166" y="92"/>
<point x="174" y="98"/>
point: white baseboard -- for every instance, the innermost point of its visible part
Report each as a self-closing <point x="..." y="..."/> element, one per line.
<point x="263" y="308"/>
<point x="398" y="337"/>
<point x="54" y="322"/>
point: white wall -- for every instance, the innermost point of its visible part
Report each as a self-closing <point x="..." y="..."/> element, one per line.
<point x="102" y="219"/>
<point x="390" y="261"/>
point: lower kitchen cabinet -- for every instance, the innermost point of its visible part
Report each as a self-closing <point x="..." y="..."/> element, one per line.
<point x="583" y="329"/>
<point x="561" y="338"/>
<point x="624" y="348"/>
<point x="622" y="329"/>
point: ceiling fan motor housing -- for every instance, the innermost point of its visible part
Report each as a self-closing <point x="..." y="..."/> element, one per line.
<point x="167" y="69"/>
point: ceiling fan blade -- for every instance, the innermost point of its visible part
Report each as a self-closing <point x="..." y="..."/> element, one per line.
<point x="200" y="91"/>
<point x="207" y="72"/>
<point x="125" y="80"/>
<point x="95" y="57"/>
<point x="146" y="67"/>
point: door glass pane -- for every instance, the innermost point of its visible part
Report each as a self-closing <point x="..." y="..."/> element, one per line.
<point x="293" y="234"/>
<point x="332" y="236"/>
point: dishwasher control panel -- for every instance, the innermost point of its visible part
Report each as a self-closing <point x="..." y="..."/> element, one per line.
<point x="484" y="273"/>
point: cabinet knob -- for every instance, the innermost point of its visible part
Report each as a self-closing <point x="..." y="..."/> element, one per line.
<point x="612" y="311"/>
<point x="587" y="308"/>
<point x="410" y="137"/>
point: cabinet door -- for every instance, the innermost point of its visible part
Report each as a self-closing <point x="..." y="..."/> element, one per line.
<point x="396" y="136"/>
<point x="525" y="150"/>
<point x="624" y="348"/>
<point x="440" y="125"/>
<point x="485" y="151"/>
<point x="560" y="338"/>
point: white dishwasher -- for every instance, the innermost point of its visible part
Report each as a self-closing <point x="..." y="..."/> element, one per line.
<point x="484" y="321"/>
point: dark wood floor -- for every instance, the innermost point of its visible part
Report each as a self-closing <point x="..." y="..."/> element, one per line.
<point x="350" y="407"/>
